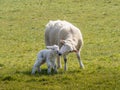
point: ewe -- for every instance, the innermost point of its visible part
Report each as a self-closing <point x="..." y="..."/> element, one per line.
<point x="67" y="37"/>
<point x="49" y="56"/>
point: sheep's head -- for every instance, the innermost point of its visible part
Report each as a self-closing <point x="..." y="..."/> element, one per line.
<point x="66" y="48"/>
<point x="54" y="48"/>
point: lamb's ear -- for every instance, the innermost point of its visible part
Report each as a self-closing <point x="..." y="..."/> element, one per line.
<point x="62" y="41"/>
<point x="49" y="47"/>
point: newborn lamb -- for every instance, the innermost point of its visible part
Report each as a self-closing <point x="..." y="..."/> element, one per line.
<point x="49" y="56"/>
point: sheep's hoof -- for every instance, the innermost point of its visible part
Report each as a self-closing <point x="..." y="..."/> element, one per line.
<point x="32" y="73"/>
<point x="59" y="67"/>
<point x="48" y="73"/>
<point x="82" y="67"/>
<point x="55" y="71"/>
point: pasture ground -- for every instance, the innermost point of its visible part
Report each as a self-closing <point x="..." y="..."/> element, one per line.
<point x="22" y="24"/>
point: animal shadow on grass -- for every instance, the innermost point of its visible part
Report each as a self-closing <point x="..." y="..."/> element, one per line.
<point x="1" y="65"/>
<point x="43" y="72"/>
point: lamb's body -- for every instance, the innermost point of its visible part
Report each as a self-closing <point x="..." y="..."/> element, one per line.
<point x="63" y="30"/>
<point x="48" y="56"/>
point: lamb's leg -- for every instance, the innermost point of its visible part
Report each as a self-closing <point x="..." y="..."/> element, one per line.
<point x="49" y="69"/>
<point x="59" y="62"/>
<point x="39" y="69"/>
<point x="34" y="70"/>
<point x="55" y="67"/>
<point x="65" y="63"/>
<point x="79" y="60"/>
<point x="49" y="66"/>
<point x="36" y="66"/>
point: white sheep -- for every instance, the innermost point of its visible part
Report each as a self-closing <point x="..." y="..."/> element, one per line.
<point x="47" y="55"/>
<point x="67" y="37"/>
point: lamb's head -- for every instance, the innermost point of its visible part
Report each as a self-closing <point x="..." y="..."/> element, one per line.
<point x="55" y="48"/>
<point x="66" y="48"/>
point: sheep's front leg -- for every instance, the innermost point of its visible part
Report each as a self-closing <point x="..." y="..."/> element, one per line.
<point x="59" y="62"/>
<point x="65" y="62"/>
<point x="79" y="60"/>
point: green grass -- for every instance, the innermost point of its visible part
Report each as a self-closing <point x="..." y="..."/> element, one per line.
<point x="22" y="24"/>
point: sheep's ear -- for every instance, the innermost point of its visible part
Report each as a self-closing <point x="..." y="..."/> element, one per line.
<point x="49" y="47"/>
<point x="74" y="49"/>
<point x="62" y="41"/>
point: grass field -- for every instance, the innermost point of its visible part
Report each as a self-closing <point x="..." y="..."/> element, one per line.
<point x="22" y="24"/>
